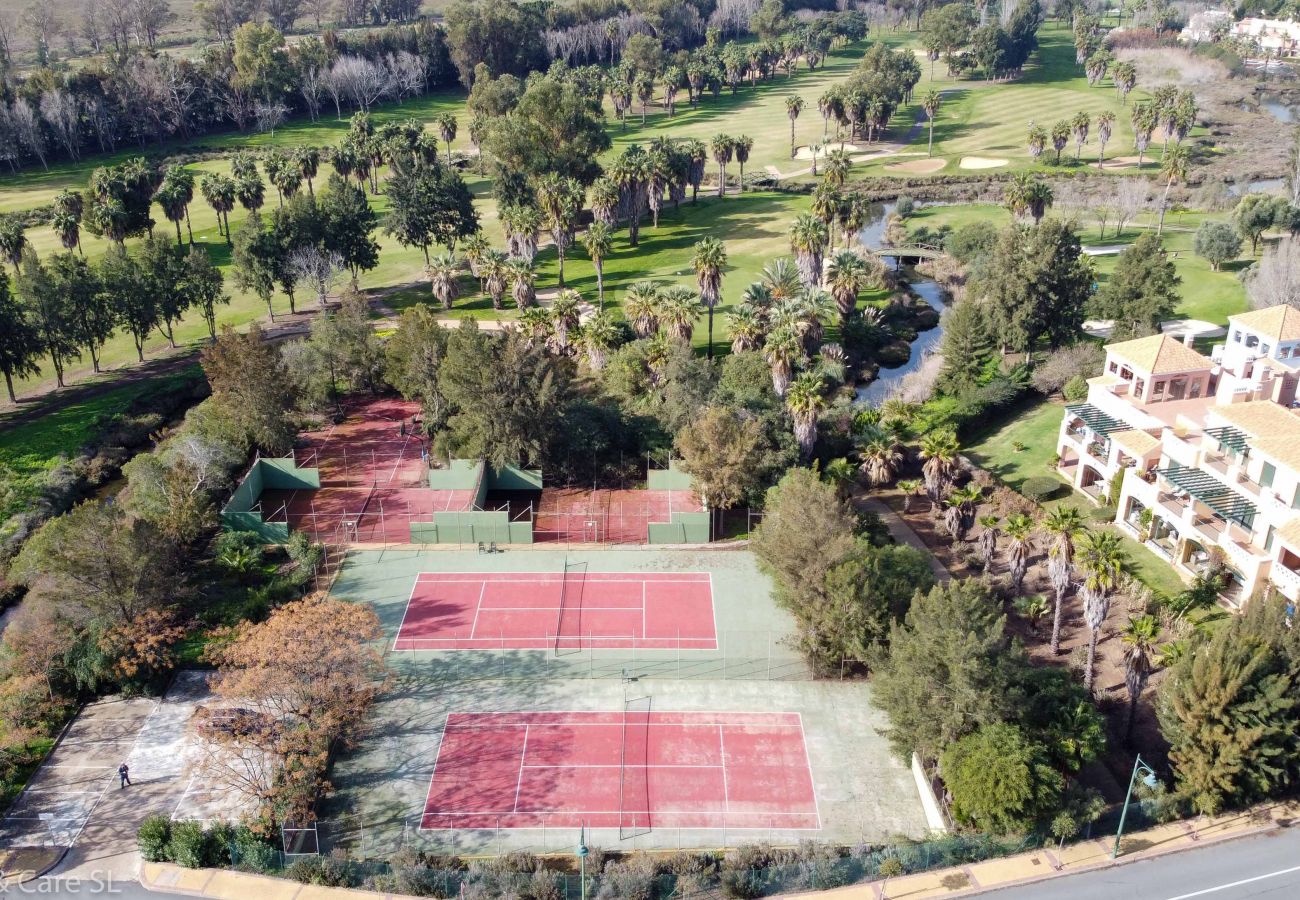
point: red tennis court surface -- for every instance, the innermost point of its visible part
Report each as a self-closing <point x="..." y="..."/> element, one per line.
<point x="377" y="444"/>
<point x="360" y="514"/>
<point x="540" y="610"/>
<point x="606" y="516"/>
<point x="626" y="770"/>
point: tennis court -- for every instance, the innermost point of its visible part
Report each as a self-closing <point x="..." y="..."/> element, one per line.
<point x="377" y="443"/>
<point x="578" y="515"/>
<point x="634" y="770"/>
<point x="374" y="514"/>
<point x="573" y="610"/>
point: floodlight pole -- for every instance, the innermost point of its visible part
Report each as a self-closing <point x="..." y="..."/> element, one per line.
<point x="1149" y="779"/>
<point x="582" y="852"/>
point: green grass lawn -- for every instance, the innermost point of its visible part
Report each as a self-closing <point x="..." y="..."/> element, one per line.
<point x="1035" y="424"/>
<point x="1206" y="294"/>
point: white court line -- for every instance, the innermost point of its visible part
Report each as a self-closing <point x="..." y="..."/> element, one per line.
<point x="644" y="633"/>
<point x="812" y="783"/>
<point x="477" y="609"/>
<point x="722" y="753"/>
<point x="398" y="636"/>
<point x="627" y="766"/>
<point x="1233" y="884"/>
<point x="519" y="778"/>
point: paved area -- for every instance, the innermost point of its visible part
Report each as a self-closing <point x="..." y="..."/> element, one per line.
<point x="902" y="533"/>
<point x="75" y="800"/>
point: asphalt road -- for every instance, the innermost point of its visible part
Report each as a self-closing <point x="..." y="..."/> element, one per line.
<point x="54" y="886"/>
<point x="1265" y="866"/>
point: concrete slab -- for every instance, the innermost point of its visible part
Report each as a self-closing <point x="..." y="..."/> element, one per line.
<point x="1011" y="868"/>
<point x="1083" y="854"/>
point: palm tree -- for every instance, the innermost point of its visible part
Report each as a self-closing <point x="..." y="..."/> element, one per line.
<point x="909" y="487"/>
<point x="219" y="191"/>
<point x="1026" y="195"/>
<point x="250" y="192"/>
<point x="522" y="277"/>
<point x="1062" y="525"/>
<point x="1020" y="532"/>
<point x="645" y="92"/>
<point x="536" y="323"/>
<point x="598" y="336"/>
<point x="564" y="318"/>
<point x="722" y="148"/>
<point x="443" y="271"/>
<point x="805" y="401"/>
<point x="677" y="312"/>
<point x="1139" y="637"/>
<point x="962" y="503"/>
<point x="793" y="106"/>
<point x="68" y="228"/>
<point x="496" y="274"/>
<point x="1079" y="128"/>
<point x="815" y="307"/>
<point x="447" y="131"/>
<point x="604" y="201"/>
<point x="1037" y="140"/>
<point x="746" y="329"/>
<point x="782" y="281"/>
<point x="1060" y="137"/>
<point x="742" y="145"/>
<point x="598" y="243"/>
<point x="178" y="187"/>
<point x="1105" y="125"/>
<point x="827" y="205"/>
<point x="1173" y="167"/>
<point x="783" y="348"/>
<point x="808" y="241"/>
<point x="846" y="276"/>
<point x="989" y="540"/>
<point x="698" y="156"/>
<point x="838" y="165"/>
<point x="931" y="106"/>
<point x="307" y="159"/>
<point x="1101" y="558"/>
<point x="641" y="307"/>
<point x="940" y="451"/>
<point x="882" y="456"/>
<point x="709" y="259"/>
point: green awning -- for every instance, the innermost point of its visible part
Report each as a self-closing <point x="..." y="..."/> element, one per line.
<point x="1212" y="492"/>
<point x="1229" y="438"/>
<point x="1096" y="420"/>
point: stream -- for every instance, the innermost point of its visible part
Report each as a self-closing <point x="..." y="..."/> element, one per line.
<point x="876" y="391"/>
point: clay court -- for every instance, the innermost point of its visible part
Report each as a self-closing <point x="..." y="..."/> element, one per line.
<point x="573" y="610"/>
<point x="632" y="770"/>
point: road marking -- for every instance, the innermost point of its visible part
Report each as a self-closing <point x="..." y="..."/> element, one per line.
<point x="1233" y="884"/>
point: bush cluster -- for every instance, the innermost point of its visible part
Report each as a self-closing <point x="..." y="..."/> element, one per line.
<point x="192" y="845"/>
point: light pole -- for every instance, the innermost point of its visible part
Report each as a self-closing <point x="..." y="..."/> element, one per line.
<point x="582" y="852"/>
<point x="1149" y="779"/>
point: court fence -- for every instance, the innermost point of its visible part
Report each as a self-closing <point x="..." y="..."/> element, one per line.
<point x="748" y="870"/>
<point x="738" y="656"/>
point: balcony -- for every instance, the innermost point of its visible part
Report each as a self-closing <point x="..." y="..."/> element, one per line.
<point x="1232" y="473"/>
<point x="1100" y="451"/>
<point x="1286" y="580"/>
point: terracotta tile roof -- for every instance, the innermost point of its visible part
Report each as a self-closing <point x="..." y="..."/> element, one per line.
<point x="1281" y="323"/>
<point x="1159" y="354"/>
<point x="1260" y="419"/>
<point x="1136" y="443"/>
<point x="1290" y="532"/>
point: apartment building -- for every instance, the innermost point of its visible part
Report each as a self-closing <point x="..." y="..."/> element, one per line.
<point x="1201" y="455"/>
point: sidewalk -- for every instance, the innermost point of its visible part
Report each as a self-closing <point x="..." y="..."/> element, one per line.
<point x="902" y="533"/>
<point x="959" y="881"/>
<point x="1083" y="856"/>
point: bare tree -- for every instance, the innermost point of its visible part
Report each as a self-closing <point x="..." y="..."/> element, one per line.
<point x="102" y="123"/>
<point x="27" y="129"/>
<point x="318" y="268"/>
<point x="360" y="80"/>
<point x="91" y="28"/>
<point x="148" y="17"/>
<point x="41" y="22"/>
<point x="60" y="111"/>
<point x="406" y="72"/>
<point x="269" y="116"/>
<point x="9" y="147"/>
<point x="311" y="85"/>
<point x="281" y="13"/>
<point x="319" y="9"/>
<point x="115" y="18"/>
<point x="1130" y="200"/>
<point x="1275" y="279"/>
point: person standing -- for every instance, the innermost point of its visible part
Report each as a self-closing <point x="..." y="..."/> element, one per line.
<point x="124" y="775"/>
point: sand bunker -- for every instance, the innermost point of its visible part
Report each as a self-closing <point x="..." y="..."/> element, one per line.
<point x="917" y="166"/>
<point x="806" y="152"/>
<point x="981" y="162"/>
<point x="1121" y="162"/>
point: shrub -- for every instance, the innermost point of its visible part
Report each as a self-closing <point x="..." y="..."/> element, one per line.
<point x="1083" y="359"/>
<point x="188" y="845"/>
<point x="1075" y="389"/>
<point x="326" y="871"/>
<point x="1040" y="487"/>
<point x="251" y="853"/>
<point x="905" y="206"/>
<point x="152" y="838"/>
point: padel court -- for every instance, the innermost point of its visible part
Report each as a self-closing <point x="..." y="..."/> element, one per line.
<point x="572" y="611"/>
<point x="635" y="770"/>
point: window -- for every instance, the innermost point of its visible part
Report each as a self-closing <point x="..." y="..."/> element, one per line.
<point x="1252" y="341"/>
<point x="1263" y="349"/>
<point x="1196" y="389"/>
<point x="1157" y="389"/>
<point x="1266" y="474"/>
<point x="1284" y="353"/>
<point x="1236" y="337"/>
<point x="1268" y="539"/>
<point x="1138" y="386"/>
<point x="1295" y="501"/>
<point x="1114" y="367"/>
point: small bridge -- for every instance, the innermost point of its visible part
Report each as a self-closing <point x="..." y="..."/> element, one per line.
<point x="910" y="251"/>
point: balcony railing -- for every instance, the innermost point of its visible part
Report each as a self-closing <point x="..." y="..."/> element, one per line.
<point x="1287" y="580"/>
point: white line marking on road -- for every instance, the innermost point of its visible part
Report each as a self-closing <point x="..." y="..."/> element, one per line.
<point x="1233" y="884"/>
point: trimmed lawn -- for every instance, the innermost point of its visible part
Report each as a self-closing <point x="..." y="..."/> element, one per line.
<point x="1206" y="294"/>
<point x="1036" y="424"/>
